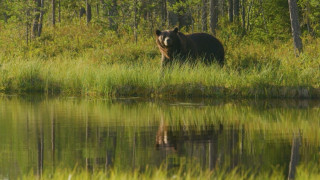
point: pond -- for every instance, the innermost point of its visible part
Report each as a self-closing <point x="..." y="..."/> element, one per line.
<point x="39" y="134"/>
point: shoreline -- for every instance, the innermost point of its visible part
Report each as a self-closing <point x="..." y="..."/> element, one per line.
<point x="189" y="91"/>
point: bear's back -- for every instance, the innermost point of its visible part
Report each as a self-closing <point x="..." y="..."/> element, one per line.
<point x="205" y="41"/>
<point x="208" y="45"/>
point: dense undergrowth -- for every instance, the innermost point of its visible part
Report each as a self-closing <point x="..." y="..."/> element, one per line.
<point x="81" y="60"/>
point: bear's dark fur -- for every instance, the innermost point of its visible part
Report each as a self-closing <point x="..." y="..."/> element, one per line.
<point x="198" y="45"/>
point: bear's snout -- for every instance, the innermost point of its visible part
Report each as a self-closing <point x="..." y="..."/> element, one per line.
<point x="167" y="41"/>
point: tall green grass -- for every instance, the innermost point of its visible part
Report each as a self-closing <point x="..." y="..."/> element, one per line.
<point x="90" y="61"/>
<point x="303" y="172"/>
<point x="80" y="77"/>
<point x="151" y="174"/>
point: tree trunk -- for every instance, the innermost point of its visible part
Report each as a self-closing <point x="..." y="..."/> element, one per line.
<point x="294" y="160"/>
<point x="236" y="7"/>
<point x="82" y="12"/>
<point x="27" y="33"/>
<point x="164" y="12"/>
<point x="35" y="26"/>
<point x="244" y="15"/>
<point x="172" y="16"/>
<point x="88" y="12"/>
<point x="104" y="8"/>
<point x="199" y="17"/>
<point x="53" y="12"/>
<point x="97" y="9"/>
<point x="53" y="138"/>
<point x="249" y="11"/>
<point x="59" y="12"/>
<point x="144" y="11"/>
<point x="222" y="7"/>
<point x="113" y="12"/>
<point x="230" y="10"/>
<point x="213" y="15"/>
<point x="264" y="19"/>
<point x="295" y="26"/>
<point x="135" y="21"/>
<point x="27" y="21"/>
<point x="204" y="15"/>
<point x="40" y="139"/>
<point x="41" y="18"/>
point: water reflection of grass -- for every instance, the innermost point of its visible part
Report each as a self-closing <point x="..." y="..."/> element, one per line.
<point x="283" y="118"/>
<point x="275" y="116"/>
<point x="279" y="118"/>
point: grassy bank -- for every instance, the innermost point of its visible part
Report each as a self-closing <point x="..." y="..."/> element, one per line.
<point x="154" y="174"/>
<point x="302" y="173"/>
<point x="89" y="61"/>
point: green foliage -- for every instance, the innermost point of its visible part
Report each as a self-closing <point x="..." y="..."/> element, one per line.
<point x="267" y="19"/>
<point x="311" y="16"/>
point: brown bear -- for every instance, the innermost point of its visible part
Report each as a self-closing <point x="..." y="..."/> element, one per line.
<point x="174" y="44"/>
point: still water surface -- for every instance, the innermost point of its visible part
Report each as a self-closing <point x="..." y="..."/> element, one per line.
<point x="39" y="134"/>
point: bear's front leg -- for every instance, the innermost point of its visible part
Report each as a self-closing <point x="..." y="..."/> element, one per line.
<point x="164" y="61"/>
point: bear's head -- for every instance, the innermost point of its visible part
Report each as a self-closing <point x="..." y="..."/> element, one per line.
<point x="168" y="39"/>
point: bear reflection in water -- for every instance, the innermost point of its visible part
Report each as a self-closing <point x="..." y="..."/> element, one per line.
<point x="201" y="143"/>
<point x="169" y="138"/>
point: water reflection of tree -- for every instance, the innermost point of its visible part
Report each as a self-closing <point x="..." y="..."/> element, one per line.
<point x="53" y="139"/>
<point x="100" y="146"/>
<point x="295" y="155"/>
<point x="77" y="136"/>
<point x="40" y="145"/>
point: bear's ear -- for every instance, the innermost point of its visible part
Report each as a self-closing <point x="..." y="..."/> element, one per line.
<point x="158" y="32"/>
<point x="176" y="30"/>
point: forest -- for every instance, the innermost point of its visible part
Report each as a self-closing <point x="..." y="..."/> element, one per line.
<point x="256" y="19"/>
